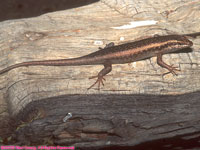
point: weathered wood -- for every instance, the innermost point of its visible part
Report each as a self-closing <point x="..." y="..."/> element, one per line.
<point x="117" y="119"/>
<point x="110" y="120"/>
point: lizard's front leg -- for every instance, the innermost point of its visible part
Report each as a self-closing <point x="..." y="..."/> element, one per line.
<point x="161" y="63"/>
<point x="100" y="77"/>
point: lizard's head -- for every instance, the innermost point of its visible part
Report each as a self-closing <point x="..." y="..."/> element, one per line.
<point x="179" y="42"/>
<point x="174" y="43"/>
<point x="184" y="41"/>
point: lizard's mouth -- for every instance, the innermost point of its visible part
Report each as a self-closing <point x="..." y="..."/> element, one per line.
<point x="188" y="42"/>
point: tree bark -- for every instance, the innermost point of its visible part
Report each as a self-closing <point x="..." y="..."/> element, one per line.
<point x="136" y="105"/>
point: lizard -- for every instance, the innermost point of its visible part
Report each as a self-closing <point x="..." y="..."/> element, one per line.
<point x="121" y="54"/>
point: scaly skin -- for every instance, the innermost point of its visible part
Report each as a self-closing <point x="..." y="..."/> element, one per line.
<point x="120" y="54"/>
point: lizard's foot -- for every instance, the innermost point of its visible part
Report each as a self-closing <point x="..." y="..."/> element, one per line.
<point x="171" y="70"/>
<point x="99" y="81"/>
<point x="161" y="63"/>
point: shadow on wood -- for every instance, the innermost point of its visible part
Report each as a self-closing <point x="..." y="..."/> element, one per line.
<point x="100" y="121"/>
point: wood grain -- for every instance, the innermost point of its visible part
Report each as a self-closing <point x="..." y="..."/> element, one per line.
<point x="79" y="31"/>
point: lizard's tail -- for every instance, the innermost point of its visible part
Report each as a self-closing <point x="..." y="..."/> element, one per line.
<point x="61" y="62"/>
<point x="11" y="67"/>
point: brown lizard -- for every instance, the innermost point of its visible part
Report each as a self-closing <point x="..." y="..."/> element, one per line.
<point x="120" y="54"/>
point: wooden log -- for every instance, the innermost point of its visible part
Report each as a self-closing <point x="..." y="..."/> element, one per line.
<point x="97" y="121"/>
<point x="130" y="109"/>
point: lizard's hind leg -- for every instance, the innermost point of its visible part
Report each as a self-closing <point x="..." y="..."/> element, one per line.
<point x="100" y="77"/>
<point x="111" y="44"/>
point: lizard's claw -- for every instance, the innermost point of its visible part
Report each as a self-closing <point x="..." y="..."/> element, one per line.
<point x="99" y="81"/>
<point x="172" y="70"/>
